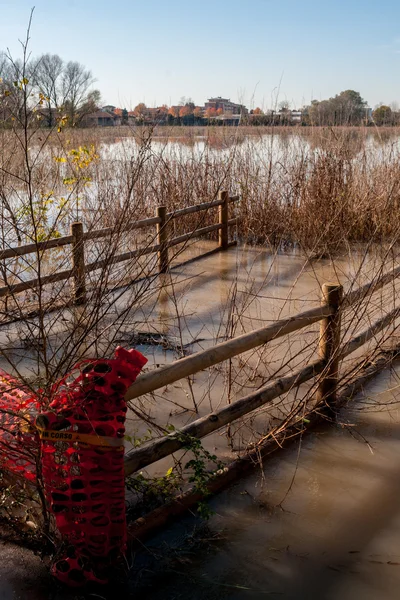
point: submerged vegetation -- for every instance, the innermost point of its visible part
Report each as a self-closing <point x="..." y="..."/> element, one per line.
<point x="319" y="190"/>
<point x="320" y="193"/>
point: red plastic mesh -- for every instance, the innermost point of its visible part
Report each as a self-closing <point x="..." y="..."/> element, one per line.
<point x="18" y="441"/>
<point x="84" y="482"/>
<point x="82" y="457"/>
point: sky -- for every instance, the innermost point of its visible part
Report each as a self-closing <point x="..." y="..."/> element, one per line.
<point x="258" y="52"/>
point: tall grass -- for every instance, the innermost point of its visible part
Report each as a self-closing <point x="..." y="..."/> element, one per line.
<point x="321" y="192"/>
<point x="319" y="189"/>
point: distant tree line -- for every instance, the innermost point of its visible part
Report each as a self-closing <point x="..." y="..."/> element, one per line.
<point x="387" y="116"/>
<point x="61" y="91"/>
<point x="57" y="89"/>
<point x="185" y="113"/>
<point x="347" y="108"/>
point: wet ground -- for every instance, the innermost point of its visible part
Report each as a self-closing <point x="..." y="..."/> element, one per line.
<point x="320" y="520"/>
<point x="22" y="574"/>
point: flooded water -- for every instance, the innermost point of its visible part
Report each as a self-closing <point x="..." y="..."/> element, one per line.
<point x="228" y="142"/>
<point x="320" y="520"/>
<point x="202" y="303"/>
<point x="232" y="293"/>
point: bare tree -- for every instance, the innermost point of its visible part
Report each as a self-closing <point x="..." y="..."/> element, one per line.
<point x="12" y="73"/>
<point x="76" y="83"/>
<point x="48" y="79"/>
<point x="65" y="88"/>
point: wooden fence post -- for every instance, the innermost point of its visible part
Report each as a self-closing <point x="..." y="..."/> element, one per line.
<point x="329" y="343"/>
<point x="223" y="233"/>
<point x="78" y="263"/>
<point x="162" y="239"/>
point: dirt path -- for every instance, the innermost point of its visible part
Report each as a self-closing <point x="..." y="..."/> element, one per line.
<point x="22" y="575"/>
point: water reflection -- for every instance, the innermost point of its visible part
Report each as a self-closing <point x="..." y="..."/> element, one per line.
<point x="322" y="524"/>
<point x="189" y="144"/>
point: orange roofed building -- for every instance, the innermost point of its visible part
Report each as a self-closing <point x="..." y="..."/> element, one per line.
<point x="226" y="106"/>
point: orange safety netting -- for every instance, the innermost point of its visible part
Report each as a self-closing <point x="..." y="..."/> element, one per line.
<point x="81" y="439"/>
<point x="18" y="442"/>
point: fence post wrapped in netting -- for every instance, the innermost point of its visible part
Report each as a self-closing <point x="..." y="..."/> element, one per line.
<point x="80" y="443"/>
<point x="82" y="439"/>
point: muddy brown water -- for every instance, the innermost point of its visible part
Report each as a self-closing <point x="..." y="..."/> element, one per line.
<point x="235" y="292"/>
<point x="321" y="520"/>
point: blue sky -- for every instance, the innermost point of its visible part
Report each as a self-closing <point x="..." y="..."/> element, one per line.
<point x="160" y="50"/>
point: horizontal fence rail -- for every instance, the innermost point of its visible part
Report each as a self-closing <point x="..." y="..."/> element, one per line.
<point x="161" y="447"/>
<point x="330" y="351"/>
<point x="39" y="247"/>
<point x="207" y="358"/>
<point x="370" y="288"/>
<point x="35" y="283"/>
<point x="110" y="231"/>
<point x="79" y="237"/>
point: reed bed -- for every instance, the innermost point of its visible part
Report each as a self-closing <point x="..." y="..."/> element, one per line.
<point x="323" y="193"/>
<point x="317" y="189"/>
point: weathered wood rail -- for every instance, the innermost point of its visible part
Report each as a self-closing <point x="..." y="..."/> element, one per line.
<point x="79" y="237"/>
<point x="331" y="353"/>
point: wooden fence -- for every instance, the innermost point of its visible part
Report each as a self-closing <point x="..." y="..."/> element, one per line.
<point x="331" y="352"/>
<point x="79" y="237"/>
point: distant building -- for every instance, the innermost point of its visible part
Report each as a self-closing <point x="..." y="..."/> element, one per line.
<point x="109" y="108"/>
<point x="156" y="115"/>
<point x="368" y="114"/>
<point x="101" y="118"/>
<point x="227" y="107"/>
<point x="287" y="116"/>
<point x="228" y="119"/>
<point x="281" y="117"/>
<point x="296" y="116"/>
<point x="148" y="116"/>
